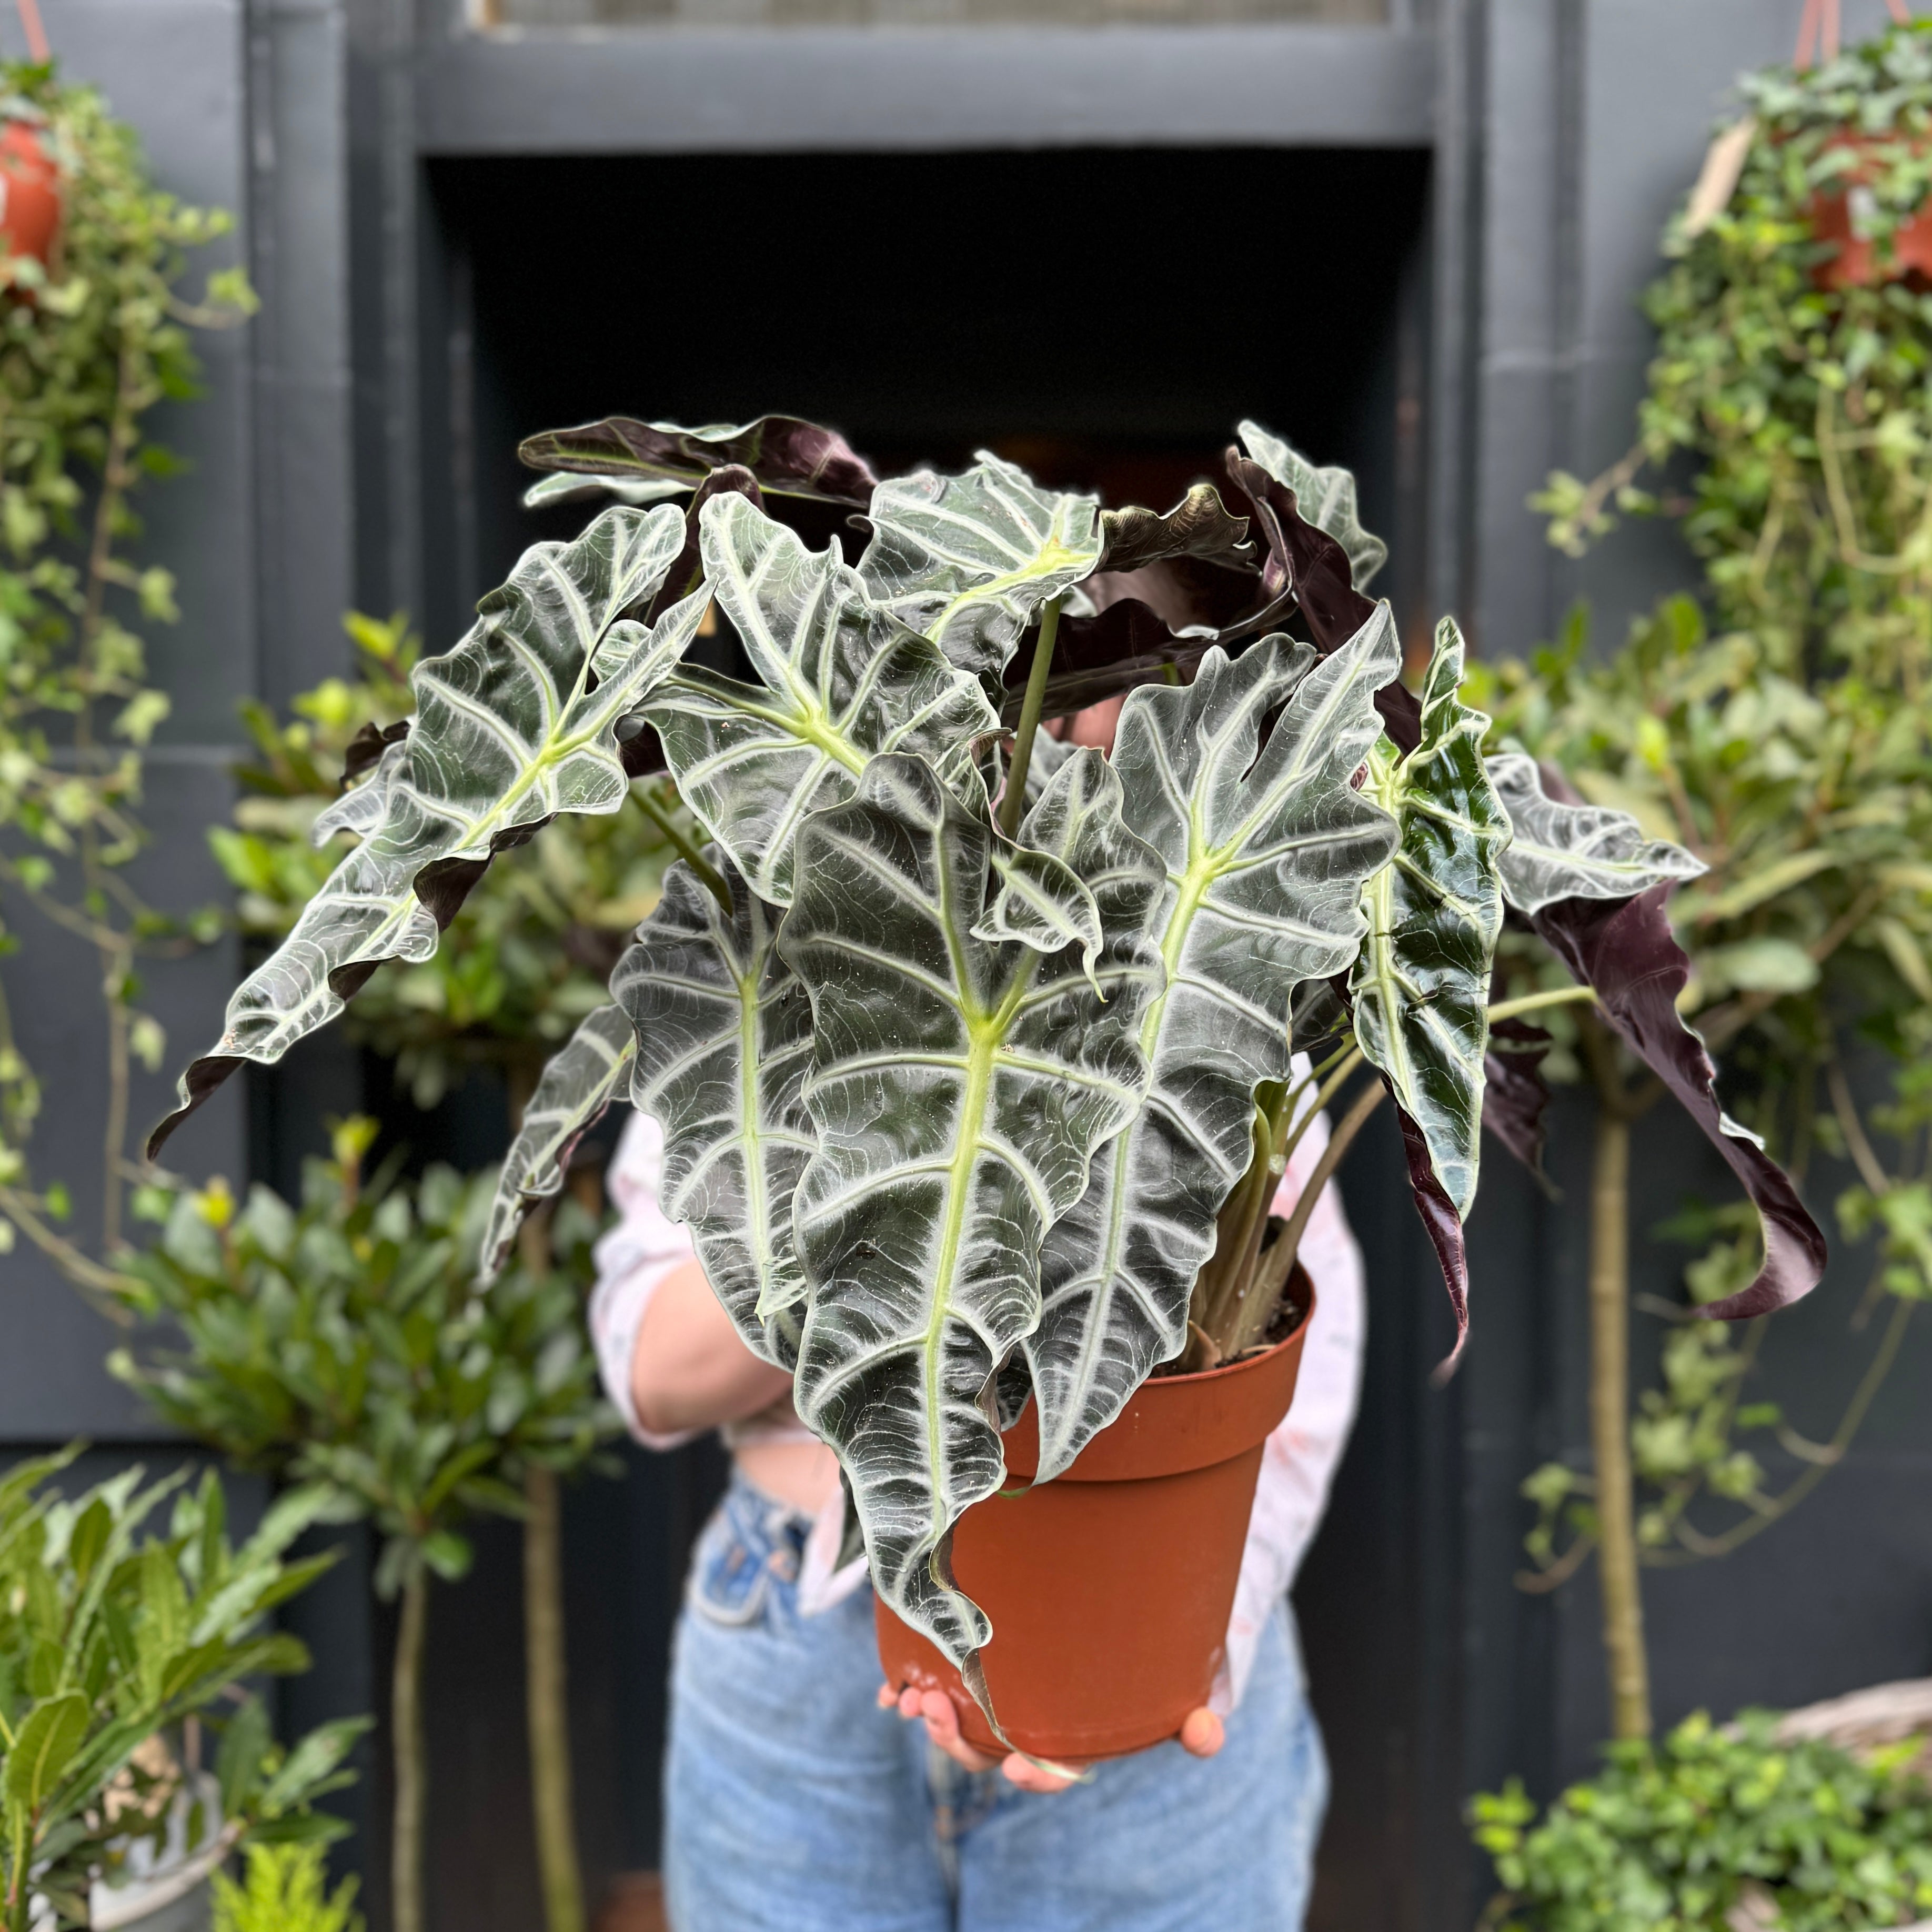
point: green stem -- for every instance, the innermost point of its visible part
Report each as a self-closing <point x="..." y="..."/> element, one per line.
<point x="713" y="879"/>
<point x="407" y="1754"/>
<point x="1349" y="1058"/>
<point x="1625" y="1656"/>
<point x="546" y="1680"/>
<point x="1530" y="1003"/>
<point x="1012" y="806"/>
<point x="1340" y="1141"/>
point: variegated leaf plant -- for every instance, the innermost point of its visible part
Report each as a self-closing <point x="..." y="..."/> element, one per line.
<point x="963" y="1108"/>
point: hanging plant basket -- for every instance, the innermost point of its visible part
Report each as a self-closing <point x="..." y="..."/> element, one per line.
<point x="30" y="192"/>
<point x="1110" y="1589"/>
<point x="1845" y="218"/>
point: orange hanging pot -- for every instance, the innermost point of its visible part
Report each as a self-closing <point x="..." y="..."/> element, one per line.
<point x="1836" y="216"/>
<point x="30" y="193"/>
<point x="1110" y="1587"/>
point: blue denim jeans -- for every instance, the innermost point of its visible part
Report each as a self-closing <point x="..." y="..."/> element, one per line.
<point x="793" y="1803"/>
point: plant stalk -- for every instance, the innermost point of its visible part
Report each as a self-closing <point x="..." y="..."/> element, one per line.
<point x="1624" y="1655"/>
<point x="408" y="1754"/>
<point x="709" y="875"/>
<point x="1340" y="1141"/>
<point x="1013" y="803"/>
<point x="546" y="1678"/>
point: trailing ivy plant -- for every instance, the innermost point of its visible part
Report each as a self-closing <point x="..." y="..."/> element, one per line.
<point x="1801" y="402"/>
<point x="339" y="1344"/>
<point x="88" y="345"/>
<point x="125" y="1648"/>
<point x="973" y="1058"/>
<point x="1785" y="739"/>
<point x="1715" y="1829"/>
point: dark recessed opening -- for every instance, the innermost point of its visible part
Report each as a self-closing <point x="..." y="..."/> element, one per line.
<point x="1103" y="317"/>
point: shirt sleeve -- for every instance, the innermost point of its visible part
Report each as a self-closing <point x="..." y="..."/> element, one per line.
<point x="1299" y="1461"/>
<point x="633" y="1258"/>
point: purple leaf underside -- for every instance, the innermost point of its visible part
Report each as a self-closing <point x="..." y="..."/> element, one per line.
<point x="1625" y="949"/>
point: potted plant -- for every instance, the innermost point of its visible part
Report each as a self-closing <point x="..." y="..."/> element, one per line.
<point x="338" y="1345"/>
<point x="285" y="1890"/>
<point x="973" y="1053"/>
<point x="130" y="1748"/>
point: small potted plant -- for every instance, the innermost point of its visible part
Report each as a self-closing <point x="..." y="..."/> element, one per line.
<point x="974" y="1051"/>
<point x="132" y="1760"/>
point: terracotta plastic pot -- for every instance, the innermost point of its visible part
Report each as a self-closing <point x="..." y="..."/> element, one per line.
<point x="30" y="193"/>
<point x="1110" y="1587"/>
<point x="1856" y="265"/>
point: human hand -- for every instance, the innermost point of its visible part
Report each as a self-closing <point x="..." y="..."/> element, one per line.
<point x="1202" y="1735"/>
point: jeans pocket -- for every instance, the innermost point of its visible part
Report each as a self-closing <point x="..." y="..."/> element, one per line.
<point x="730" y="1576"/>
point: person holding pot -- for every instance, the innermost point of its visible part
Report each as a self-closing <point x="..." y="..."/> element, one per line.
<point x="794" y="1802"/>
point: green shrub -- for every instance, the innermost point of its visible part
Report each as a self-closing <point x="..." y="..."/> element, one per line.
<point x="1676" y="1837"/>
<point x="285" y="1892"/>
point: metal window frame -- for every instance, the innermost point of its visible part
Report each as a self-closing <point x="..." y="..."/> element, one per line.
<point x="647" y="90"/>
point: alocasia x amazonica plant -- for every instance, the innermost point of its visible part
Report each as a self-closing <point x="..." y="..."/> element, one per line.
<point x="974" y="1055"/>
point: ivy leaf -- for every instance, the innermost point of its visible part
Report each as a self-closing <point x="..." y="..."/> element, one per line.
<point x="968" y="561"/>
<point x="959" y="1091"/>
<point x="1420" y="983"/>
<point x="514" y="725"/>
<point x="1265" y="848"/>
<point x="840" y="682"/>
<point x="577" y="1085"/>
<point x="789" y="457"/>
<point x="1560" y="849"/>
<point x="702" y="991"/>
<point x="1326" y="498"/>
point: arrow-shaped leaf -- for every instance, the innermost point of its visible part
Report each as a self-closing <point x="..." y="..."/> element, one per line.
<point x="582" y="1078"/>
<point x="514" y="726"/>
<point x="840" y="682"/>
<point x="1200" y="525"/>
<point x="959" y="1089"/>
<point x="968" y="560"/>
<point x="723" y="1034"/>
<point x="564" y="487"/>
<point x="1326" y="498"/>
<point x="1266" y="848"/>
<point x="1560" y="849"/>
<point x="1420" y="983"/>
<point x="789" y="457"/>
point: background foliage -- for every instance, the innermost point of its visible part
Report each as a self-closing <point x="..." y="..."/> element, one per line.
<point x="1712" y="1829"/>
<point x="342" y="1341"/>
<point x="1780" y="727"/>
<point x="87" y="346"/>
<point x="119" y="1646"/>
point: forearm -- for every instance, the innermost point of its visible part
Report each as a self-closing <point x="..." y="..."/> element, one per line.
<point x="690" y="1369"/>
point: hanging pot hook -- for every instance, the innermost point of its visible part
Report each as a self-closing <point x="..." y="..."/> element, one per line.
<point x="1821" y="20"/>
